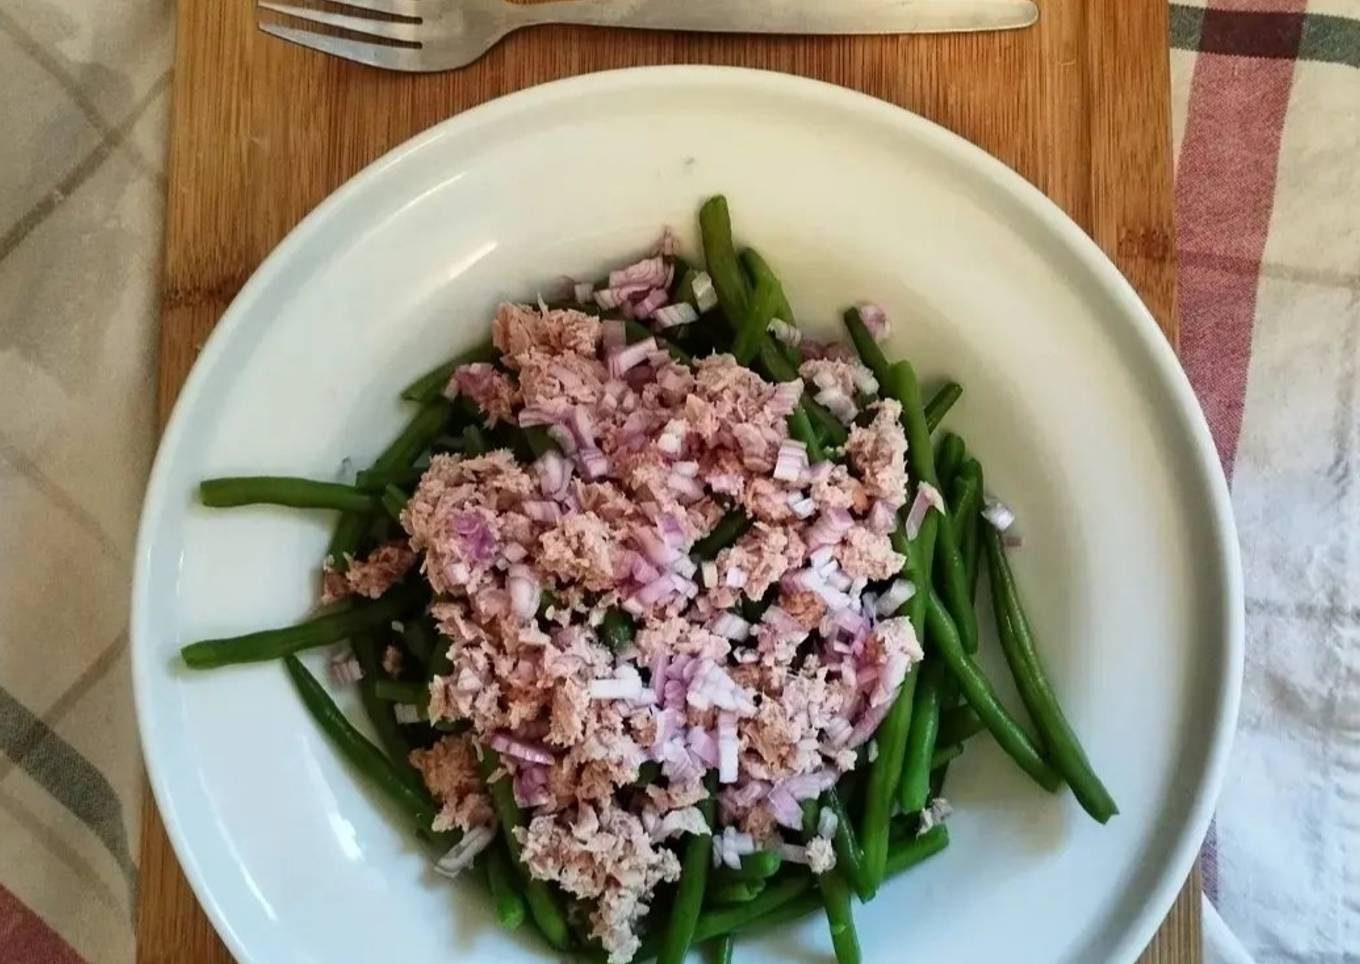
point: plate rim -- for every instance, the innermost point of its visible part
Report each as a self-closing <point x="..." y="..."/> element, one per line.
<point x="1170" y="880"/>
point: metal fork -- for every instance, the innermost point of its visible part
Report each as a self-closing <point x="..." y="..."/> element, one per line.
<point x="447" y="34"/>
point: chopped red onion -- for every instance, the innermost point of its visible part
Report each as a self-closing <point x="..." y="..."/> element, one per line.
<point x="998" y="514"/>
<point x="827" y="823"/>
<point x="731" y="626"/>
<point x="830" y="527"/>
<point x="927" y="498"/>
<point x="867" y="724"/>
<point x="686" y="487"/>
<point x="787" y="395"/>
<point x="703" y="746"/>
<point x="819" y="472"/>
<point x="785" y="332"/>
<point x="709" y="573"/>
<point x="793" y="853"/>
<point x="609" y="298"/>
<point x="461" y="855"/>
<point x="624" y="359"/>
<point x="649" y="305"/>
<point x="705" y="296"/>
<point x="803" y="507"/>
<point x="727" y="748"/>
<point x="791" y="461"/>
<point x="514" y="552"/>
<point x="525" y="591"/>
<point x="864" y="379"/>
<point x="613" y="334"/>
<point x="668" y="316"/>
<point x="542" y="510"/>
<point x="735" y="578"/>
<point x="784" y="808"/>
<point x="405" y="713"/>
<point x="895" y="597"/>
<point x="838" y="403"/>
<point x="616" y="688"/>
<point x="593" y="463"/>
<point x="584" y="292"/>
<point x="656" y="591"/>
<point x="651" y="545"/>
<point x="684" y="567"/>
<point x="531" y="415"/>
<point x="345" y="669"/>
<point x="875" y="319"/>
<point x="882" y="517"/>
<point x="554" y="472"/>
<point x="649" y="271"/>
<point x="518" y="749"/>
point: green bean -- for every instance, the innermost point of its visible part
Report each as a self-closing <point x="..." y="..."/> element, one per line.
<point x="544" y="905"/>
<point x="474" y="442"/>
<point x="432" y="384"/>
<point x="1017" y="643"/>
<point x="754" y="866"/>
<point x="800" y="427"/>
<point x="959" y="724"/>
<point x="941" y="402"/>
<point x="758" y="268"/>
<point x="281" y="490"/>
<point x="274" y="643"/>
<point x="945" y="755"/>
<point x="723" y="920"/>
<point x="840" y="915"/>
<point x="420" y="638"/>
<point x="505" y="891"/>
<point x="354" y="747"/>
<point x="538" y="440"/>
<point x="689" y="896"/>
<point x="617" y="629"/>
<point x="399" y="691"/>
<point x="723" y="949"/>
<point x="418" y="435"/>
<point x="914" y="787"/>
<point x="347" y="539"/>
<point x="394" y="501"/>
<point x="977" y="690"/>
<point x="903" y="386"/>
<point x="866" y="345"/>
<point x="949" y="456"/>
<point x="849" y="856"/>
<point x="735" y="891"/>
<point x="729" y="529"/>
<point x="375" y="480"/>
<point x="971" y="539"/>
<point x="965" y="499"/>
<point x="648" y="773"/>
<point x="760" y="311"/>
<point x="903" y="856"/>
<point x="729" y="281"/>
<point x="778" y="368"/>
<point x="379" y="711"/>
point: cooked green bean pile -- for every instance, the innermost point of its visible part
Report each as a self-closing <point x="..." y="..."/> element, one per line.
<point x="878" y="820"/>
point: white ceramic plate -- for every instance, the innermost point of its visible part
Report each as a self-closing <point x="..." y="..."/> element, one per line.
<point x="1074" y="402"/>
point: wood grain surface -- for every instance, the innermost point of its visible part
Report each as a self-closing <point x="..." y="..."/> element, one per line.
<point x="263" y="131"/>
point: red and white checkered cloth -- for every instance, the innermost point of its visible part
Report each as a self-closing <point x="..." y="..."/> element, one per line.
<point x="1267" y="122"/>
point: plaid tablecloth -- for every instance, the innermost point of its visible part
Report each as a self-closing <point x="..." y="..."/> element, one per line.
<point x="1267" y="125"/>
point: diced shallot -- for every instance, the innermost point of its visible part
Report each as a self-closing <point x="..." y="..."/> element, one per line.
<point x="882" y="517"/>
<point x="827" y="822"/>
<point x="792" y="460"/>
<point x="731" y="626"/>
<point x="518" y="749"/>
<point x="461" y="855"/>
<point x="785" y="332"/>
<point x="727" y="748"/>
<point x="584" y="292"/>
<point x="613" y="334"/>
<point x="593" y="463"/>
<point x="998" y="514"/>
<point x="668" y="316"/>
<point x="838" y="404"/>
<point x="345" y="669"/>
<point x="830" y="527"/>
<point x="927" y="498"/>
<point x="705" y="296"/>
<point x="624" y="359"/>
<point x="895" y="597"/>
<point x="405" y="713"/>
<point x="525" y="591"/>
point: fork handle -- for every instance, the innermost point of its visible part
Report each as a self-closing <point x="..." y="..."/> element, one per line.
<point x="786" y="16"/>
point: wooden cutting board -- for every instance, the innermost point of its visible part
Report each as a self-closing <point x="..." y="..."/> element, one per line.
<point x="263" y="131"/>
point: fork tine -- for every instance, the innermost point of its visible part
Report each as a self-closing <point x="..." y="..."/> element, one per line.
<point x="398" y="8"/>
<point x="387" y="29"/>
<point x="374" y="55"/>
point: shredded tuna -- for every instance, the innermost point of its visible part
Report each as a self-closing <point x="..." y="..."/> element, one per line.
<point x="449" y="769"/>
<point x="879" y="453"/>
<point x="604" y="855"/>
<point x="492" y="391"/>
<point x="380" y="570"/>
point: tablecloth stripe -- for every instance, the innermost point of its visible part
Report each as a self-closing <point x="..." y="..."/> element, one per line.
<point x="1317" y="37"/>
<point x="1225" y="185"/>
<point x="24" y="937"/>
